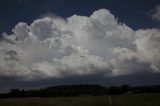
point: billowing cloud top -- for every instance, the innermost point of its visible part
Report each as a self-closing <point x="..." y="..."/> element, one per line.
<point x="78" y="45"/>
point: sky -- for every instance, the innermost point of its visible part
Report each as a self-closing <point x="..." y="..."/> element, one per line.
<point x="54" y="42"/>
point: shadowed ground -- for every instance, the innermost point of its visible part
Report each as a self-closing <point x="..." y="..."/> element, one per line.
<point x="59" y="101"/>
<point x="119" y="100"/>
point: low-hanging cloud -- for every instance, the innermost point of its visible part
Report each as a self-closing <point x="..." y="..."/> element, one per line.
<point x="79" y="45"/>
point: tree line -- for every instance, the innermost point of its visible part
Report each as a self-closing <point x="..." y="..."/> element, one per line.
<point x="77" y="90"/>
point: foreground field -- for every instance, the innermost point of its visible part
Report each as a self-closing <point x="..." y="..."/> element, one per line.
<point x="120" y="100"/>
<point x="137" y="100"/>
<point x="59" y="101"/>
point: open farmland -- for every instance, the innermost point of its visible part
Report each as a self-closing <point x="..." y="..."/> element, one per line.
<point x="119" y="100"/>
<point x="57" y="101"/>
<point x="138" y="100"/>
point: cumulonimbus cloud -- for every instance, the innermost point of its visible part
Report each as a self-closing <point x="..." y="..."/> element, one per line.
<point x="78" y="45"/>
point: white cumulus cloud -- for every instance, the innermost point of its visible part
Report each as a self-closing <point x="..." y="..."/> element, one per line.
<point x="78" y="45"/>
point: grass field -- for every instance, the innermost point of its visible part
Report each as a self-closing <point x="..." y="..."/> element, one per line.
<point x="137" y="100"/>
<point x="120" y="100"/>
<point x="59" y="101"/>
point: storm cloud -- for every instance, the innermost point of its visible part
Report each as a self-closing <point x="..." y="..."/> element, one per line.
<point x="54" y="47"/>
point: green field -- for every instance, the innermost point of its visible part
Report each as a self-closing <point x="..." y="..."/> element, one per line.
<point x="120" y="100"/>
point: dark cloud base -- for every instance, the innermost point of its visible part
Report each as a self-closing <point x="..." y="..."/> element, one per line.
<point x="137" y="79"/>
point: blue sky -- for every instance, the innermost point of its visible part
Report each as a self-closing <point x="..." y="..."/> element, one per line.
<point x="131" y="12"/>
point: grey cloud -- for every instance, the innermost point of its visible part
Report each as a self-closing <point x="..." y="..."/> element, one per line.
<point x="155" y="13"/>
